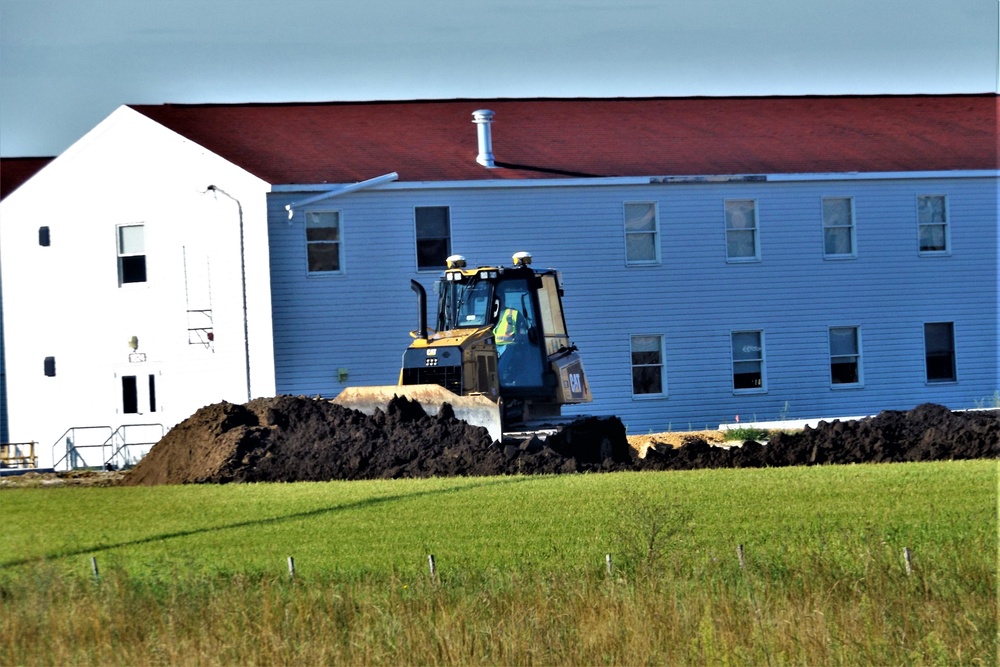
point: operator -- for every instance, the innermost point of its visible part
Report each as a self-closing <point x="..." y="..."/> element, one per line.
<point x="506" y="330"/>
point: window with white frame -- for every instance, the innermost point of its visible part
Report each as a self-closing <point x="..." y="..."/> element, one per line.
<point x="742" y="240"/>
<point x="845" y="356"/>
<point x="131" y="254"/>
<point x="838" y="227"/>
<point x="433" y="232"/>
<point x="748" y="360"/>
<point x="642" y="233"/>
<point x="932" y="222"/>
<point x="939" y="351"/>
<point x="324" y="247"/>
<point x="647" y="365"/>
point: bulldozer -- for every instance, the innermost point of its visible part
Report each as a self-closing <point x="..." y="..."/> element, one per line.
<point x="501" y="357"/>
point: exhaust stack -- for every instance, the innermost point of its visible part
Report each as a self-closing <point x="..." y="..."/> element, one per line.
<point x="421" y="308"/>
<point x="483" y="118"/>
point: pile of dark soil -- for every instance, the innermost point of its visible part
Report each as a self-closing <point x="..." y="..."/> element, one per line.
<point x="290" y="439"/>
<point x="928" y="432"/>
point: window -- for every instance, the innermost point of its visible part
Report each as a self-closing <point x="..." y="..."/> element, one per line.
<point x="748" y="360"/>
<point x="742" y="243"/>
<point x="642" y="234"/>
<point x="131" y="254"/>
<point x="433" y="236"/>
<point x="44" y="238"/>
<point x="845" y="356"/>
<point x="838" y="227"/>
<point x="932" y="219"/>
<point x="323" y="245"/>
<point x="939" y="351"/>
<point x="130" y="394"/>
<point x="647" y="366"/>
<point x="49" y="367"/>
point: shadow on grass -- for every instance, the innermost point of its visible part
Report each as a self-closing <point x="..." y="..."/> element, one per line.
<point x="359" y="504"/>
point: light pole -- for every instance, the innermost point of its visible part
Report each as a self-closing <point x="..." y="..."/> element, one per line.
<point x="243" y="279"/>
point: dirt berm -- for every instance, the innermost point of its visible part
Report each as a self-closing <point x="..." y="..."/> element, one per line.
<point x="290" y="439"/>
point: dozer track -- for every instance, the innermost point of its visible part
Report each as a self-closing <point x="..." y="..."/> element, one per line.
<point x="587" y="439"/>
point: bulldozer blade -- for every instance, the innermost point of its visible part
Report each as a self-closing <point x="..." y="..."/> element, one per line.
<point x="475" y="410"/>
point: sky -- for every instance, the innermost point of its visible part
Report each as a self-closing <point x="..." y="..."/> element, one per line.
<point x="65" y="65"/>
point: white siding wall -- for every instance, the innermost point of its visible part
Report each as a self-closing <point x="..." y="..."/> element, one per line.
<point x="64" y="301"/>
<point x="694" y="298"/>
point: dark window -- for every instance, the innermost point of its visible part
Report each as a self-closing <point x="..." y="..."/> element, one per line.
<point x="939" y="348"/>
<point x="43" y="237"/>
<point x="131" y="254"/>
<point x="433" y="236"/>
<point x="932" y="215"/>
<point x="323" y="241"/>
<point x="130" y="395"/>
<point x="152" y="393"/>
<point x="50" y="367"/>
<point x="845" y="356"/>
<point x="748" y="360"/>
<point x="647" y="365"/>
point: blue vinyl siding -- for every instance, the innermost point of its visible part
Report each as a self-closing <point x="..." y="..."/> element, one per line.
<point x="693" y="297"/>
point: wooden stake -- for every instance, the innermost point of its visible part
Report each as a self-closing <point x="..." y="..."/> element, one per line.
<point x="607" y="563"/>
<point x="291" y="568"/>
<point x="739" y="554"/>
<point x="907" y="554"/>
<point x="93" y="567"/>
<point x="430" y="561"/>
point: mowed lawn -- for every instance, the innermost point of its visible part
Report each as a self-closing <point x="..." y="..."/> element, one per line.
<point x="824" y="540"/>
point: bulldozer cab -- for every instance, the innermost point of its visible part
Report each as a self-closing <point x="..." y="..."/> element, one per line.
<point x="502" y="302"/>
<point x="515" y="333"/>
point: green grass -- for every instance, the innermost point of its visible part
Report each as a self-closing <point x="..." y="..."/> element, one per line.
<point x="198" y="574"/>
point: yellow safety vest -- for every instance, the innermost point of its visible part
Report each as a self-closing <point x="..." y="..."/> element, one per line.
<point x="506" y="328"/>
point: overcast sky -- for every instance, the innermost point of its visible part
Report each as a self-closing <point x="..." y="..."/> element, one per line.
<point x="66" y="64"/>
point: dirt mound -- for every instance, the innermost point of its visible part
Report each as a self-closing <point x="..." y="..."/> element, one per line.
<point x="926" y="433"/>
<point x="290" y="439"/>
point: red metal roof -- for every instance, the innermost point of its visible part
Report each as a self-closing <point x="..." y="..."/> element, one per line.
<point x="16" y="170"/>
<point x="436" y="140"/>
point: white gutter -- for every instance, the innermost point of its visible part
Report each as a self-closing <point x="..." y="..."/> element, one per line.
<point x="344" y="189"/>
<point x="749" y="179"/>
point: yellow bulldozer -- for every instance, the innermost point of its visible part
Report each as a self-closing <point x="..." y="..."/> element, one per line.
<point x="501" y="357"/>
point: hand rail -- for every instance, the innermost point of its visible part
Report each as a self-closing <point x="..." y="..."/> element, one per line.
<point x="125" y="444"/>
<point x="72" y="448"/>
<point x="11" y="456"/>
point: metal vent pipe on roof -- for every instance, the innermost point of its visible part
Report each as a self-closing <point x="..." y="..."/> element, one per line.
<point x="483" y="118"/>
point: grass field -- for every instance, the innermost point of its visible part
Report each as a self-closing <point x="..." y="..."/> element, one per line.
<point x="199" y="574"/>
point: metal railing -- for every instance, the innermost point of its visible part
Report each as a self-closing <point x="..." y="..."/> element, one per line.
<point x="126" y="452"/>
<point x="116" y="447"/>
<point x="18" y="455"/>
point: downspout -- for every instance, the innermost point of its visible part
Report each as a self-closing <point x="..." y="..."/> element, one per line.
<point x="360" y="185"/>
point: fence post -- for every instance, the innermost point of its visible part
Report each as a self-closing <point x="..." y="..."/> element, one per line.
<point x="607" y="563"/>
<point x="291" y="568"/>
<point x="430" y="561"/>
<point x="907" y="554"/>
<point x="739" y="554"/>
<point x="93" y="567"/>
